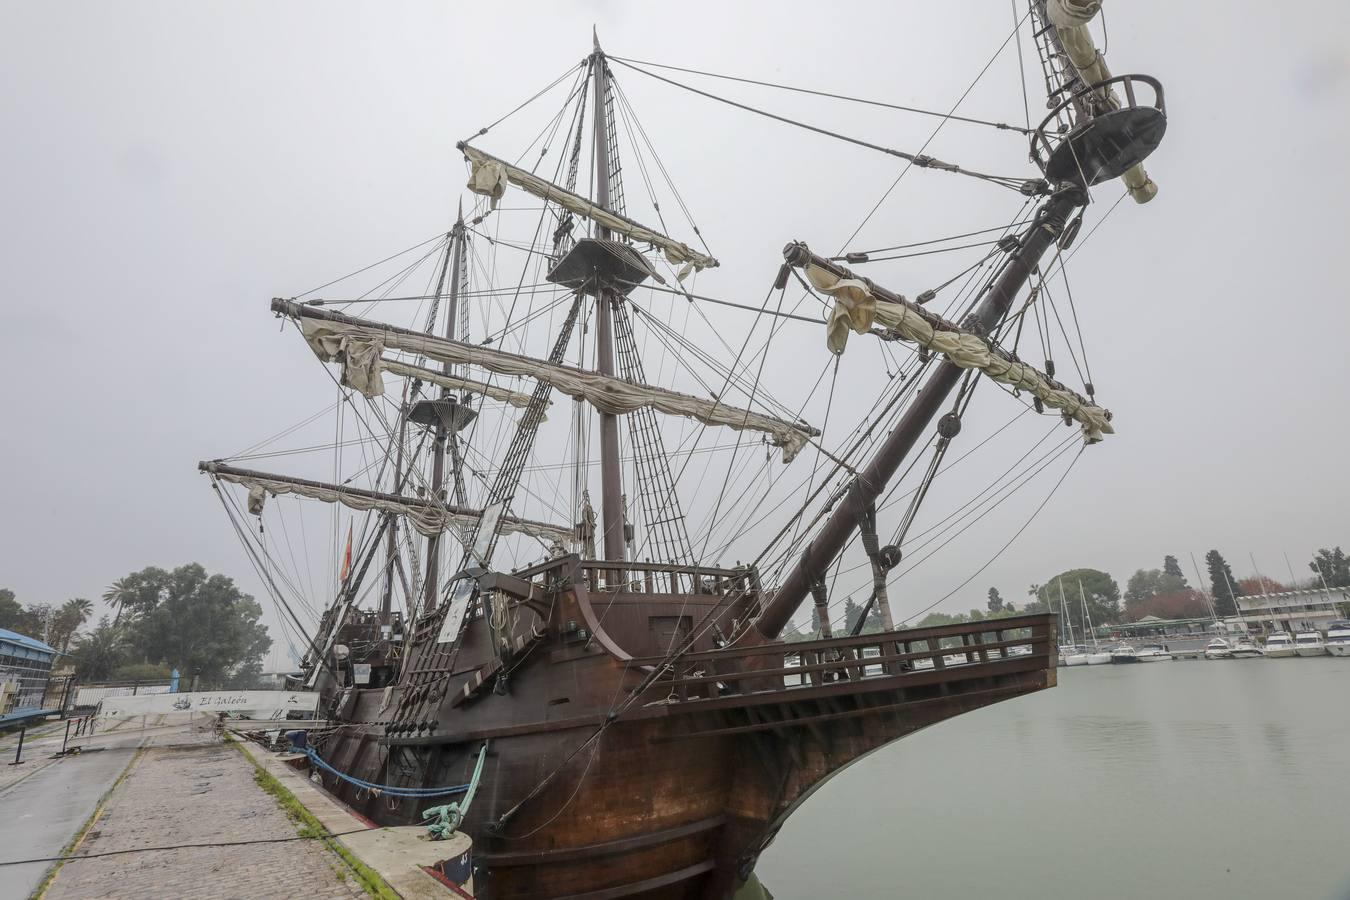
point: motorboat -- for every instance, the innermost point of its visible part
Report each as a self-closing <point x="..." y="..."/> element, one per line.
<point x="1310" y="643"/>
<point x="1338" y="638"/>
<point x="1124" y="654"/>
<point x="1246" y="648"/>
<point x="1280" y="644"/>
<point x="1152" y="653"/>
<point x="1218" y="649"/>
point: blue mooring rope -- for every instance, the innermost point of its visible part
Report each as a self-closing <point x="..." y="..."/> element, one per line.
<point x="387" y="789"/>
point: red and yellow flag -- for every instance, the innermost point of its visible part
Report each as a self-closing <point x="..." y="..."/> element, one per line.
<point x="347" y="557"/>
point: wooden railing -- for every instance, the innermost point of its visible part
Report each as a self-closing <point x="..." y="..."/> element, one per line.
<point x="719" y="673"/>
<point x="651" y="578"/>
<point x="665" y="578"/>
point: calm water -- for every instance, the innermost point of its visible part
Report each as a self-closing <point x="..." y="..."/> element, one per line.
<point x="1187" y="779"/>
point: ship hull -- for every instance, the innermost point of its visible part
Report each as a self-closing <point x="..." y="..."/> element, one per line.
<point x="678" y="794"/>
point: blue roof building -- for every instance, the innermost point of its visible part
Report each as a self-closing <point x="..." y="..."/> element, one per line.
<point x="25" y="669"/>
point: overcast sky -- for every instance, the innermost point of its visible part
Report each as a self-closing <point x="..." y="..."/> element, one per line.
<point x="169" y="167"/>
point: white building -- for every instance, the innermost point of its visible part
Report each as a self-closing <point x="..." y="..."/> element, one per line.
<point x="1294" y="611"/>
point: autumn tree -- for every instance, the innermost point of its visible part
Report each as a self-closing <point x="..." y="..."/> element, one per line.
<point x="1223" y="587"/>
<point x="1260" y="584"/>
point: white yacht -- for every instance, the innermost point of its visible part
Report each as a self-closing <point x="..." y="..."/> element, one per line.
<point x="1124" y="654"/>
<point x="1072" y="656"/>
<point x="1152" y="653"/>
<point x="1280" y="644"/>
<point x="1338" y="638"/>
<point x="1218" y="649"/>
<point x="1310" y="643"/>
<point x="1246" y="648"/>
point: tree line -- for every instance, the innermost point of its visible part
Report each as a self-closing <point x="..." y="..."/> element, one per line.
<point x="184" y="619"/>
<point x="1164" y="592"/>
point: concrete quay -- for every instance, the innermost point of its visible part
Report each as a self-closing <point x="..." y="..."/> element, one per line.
<point x="193" y="816"/>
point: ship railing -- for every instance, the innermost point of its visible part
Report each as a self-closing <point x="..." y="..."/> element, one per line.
<point x="666" y="578"/>
<point x="965" y="647"/>
<point x="601" y="576"/>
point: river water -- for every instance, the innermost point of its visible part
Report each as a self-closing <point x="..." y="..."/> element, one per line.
<point x="1196" y="779"/>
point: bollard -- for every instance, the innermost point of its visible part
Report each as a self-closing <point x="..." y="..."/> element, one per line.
<point x="18" y="752"/>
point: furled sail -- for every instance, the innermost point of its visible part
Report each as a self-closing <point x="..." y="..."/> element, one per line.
<point x="359" y="345"/>
<point x="454" y="382"/>
<point x="1071" y="18"/>
<point x="857" y="308"/>
<point x="429" y="518"/>
<point x="489" y="175"/>
<point x="367" y="362"/>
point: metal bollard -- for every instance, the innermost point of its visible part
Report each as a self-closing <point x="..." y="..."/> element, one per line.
<point x="18" y="752"/>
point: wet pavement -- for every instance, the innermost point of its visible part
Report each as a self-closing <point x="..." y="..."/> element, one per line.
<point x="40" y="813"/>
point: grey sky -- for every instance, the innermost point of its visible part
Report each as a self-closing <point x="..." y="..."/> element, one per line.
<point x="167" y="168"/>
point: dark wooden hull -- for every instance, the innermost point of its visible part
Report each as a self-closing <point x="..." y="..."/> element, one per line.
<point x="677" y="794"/>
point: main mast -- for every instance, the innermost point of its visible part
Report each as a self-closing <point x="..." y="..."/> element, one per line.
<point x="445" y="435"/>
<point x="611" y="485"/>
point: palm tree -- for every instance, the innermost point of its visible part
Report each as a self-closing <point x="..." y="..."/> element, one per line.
<point x="118" y="594"/>
<point x="99" y="652"/>
<point x="68" y="619"/>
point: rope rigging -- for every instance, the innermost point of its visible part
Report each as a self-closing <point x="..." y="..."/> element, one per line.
<point x="920" y="159"/>
<point x="1001" y="126"/>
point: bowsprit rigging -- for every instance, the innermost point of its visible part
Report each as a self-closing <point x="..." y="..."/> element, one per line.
<point x="626" y="698"/>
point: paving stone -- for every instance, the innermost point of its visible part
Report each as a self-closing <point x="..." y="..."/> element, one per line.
<point x="198" y="793"/>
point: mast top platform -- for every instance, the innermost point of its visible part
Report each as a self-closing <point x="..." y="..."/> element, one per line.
<point x="594" y="263"/>
<point x="1108" y="144"/>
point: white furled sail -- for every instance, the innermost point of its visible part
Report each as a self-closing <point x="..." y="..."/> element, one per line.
<point x="1071" y="18"/>
<point x="359" y="345"/>
<point x="489" y="175"/>
<point x="429" y="518"/>
<point x="857" y="308"/>
<point x="453" y="382"/>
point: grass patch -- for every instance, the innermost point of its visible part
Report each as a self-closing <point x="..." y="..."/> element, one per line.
<point x="310" y="827"/>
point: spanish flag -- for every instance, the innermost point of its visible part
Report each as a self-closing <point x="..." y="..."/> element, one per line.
<point x="347" y="557"/>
